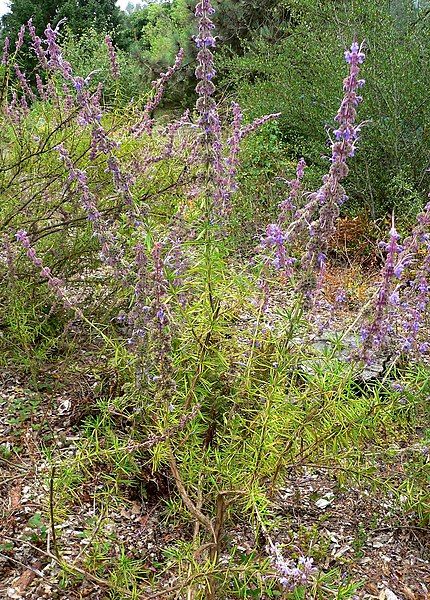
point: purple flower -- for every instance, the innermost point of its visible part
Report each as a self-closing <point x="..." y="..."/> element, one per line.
<point x="258" y="123"/>
<point x="114" y="68"/>
<point x="37" y="45"/>
<point x="341" y="297"/>
<point x="398" y="269"/>
<point x="354" y="56"/>
<point x="146" y="123"/>
<point x="295" y="186"/>
<point x="161" y="316"/>
<point x="394" y="299"/>
<point x="110" y="252"/>
<point x="204" y="9"/>
<point x="221" y="158"/>
<point x="291" y="575"/>
<point x="314" y="224"/>
<point x="22" y="237"/>
<point x="331" y="195"/>
<point x="24" y="83"/>
<point x="56" y="284"/>
<point x="378" y="330"/>
<point x="20" y="39"/>
<point x="275" y="239"/>
<point x="40" y="87"/>
<point x="205" y="71"/>
<point x="56" y="62"/>
<point x="6" y="46"/>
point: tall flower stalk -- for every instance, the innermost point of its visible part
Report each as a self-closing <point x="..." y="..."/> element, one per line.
<point x="315" y="222"/>
<point x="288" y="206"/>
<point x="159" y="87"/>
<point x="114" y="67"/>
<point x="5" y="55"/>
<point x="403" y="293"/>
<point x="375" y="335"/>
<point x="54" y="283"/>
<point x="205" y="71"/>
<point x="331" y="194"/>
<point x="210" y="137"/>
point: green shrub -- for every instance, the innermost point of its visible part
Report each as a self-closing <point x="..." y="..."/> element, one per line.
<point x="88" y="53"/>
<point x="296" y="76"/>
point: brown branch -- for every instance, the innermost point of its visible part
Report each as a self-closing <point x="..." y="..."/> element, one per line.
<point x="197" y="514"/>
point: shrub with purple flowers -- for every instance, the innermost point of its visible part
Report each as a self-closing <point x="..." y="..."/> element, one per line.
<point x="117" y="223"/>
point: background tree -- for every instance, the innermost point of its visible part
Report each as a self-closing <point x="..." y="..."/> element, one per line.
<point x="42" y="12"/>
<point x="239" y="21"/>
<point x="101" y="15"/>
<point x="153" y="35"/>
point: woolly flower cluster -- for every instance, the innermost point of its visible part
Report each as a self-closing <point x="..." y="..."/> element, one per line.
<point x="220" y="157"/>
<point x="314" y="223"/>
<point x="290" y="574"/>
<point x="403" y="294"/>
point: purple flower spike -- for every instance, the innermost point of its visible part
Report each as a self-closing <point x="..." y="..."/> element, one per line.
<point x="332" y="195"/>
<point x="114" y="68"/>
<point x="146" y="123"/>
<point x="220" y="157"/>
<point x="205" y="71"/>
<point x="24" y="83"/>
<point x="375" y="335"/>
<point x="110" y="253"/>
<point x="56" y="284"/>
<point x="22" y="237"/>
<point x="20" y="39"/>
<point x="56" y="62"/>
<point x="6" y="46"/>
<point x="290" y="204"/>
<point x="36" y="43"/>
<point x="314" y="224"/>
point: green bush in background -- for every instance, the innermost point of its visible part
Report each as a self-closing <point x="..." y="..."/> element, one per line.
<point x="296" y="76"/>
<point x="88" y="54"/>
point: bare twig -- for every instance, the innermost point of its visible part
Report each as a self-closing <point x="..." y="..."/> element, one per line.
<point x="21" y="564"/>
<point x="51" y="514"/>
<point x="197" y="514"/>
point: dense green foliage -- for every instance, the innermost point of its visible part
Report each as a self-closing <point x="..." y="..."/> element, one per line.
<point x="297" y="76"/>
<point x="103" y="15"/>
